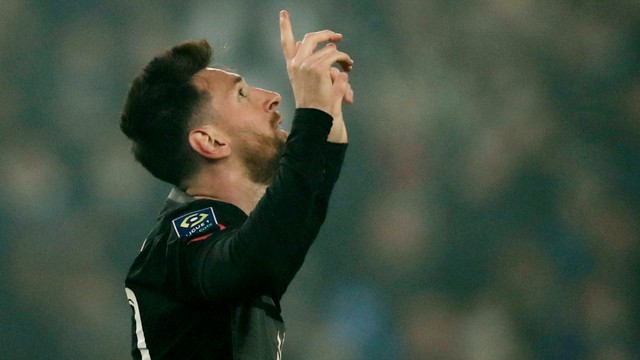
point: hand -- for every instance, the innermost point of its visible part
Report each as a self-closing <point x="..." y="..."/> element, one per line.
<point x="342" y="93"/>
<point x="310" y="72"/>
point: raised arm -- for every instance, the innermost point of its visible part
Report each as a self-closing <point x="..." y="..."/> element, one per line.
<point x="267" y="250"/>
<point x="315" y="82"/>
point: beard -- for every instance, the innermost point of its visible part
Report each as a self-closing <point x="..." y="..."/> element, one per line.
<point x="262" y="157"/>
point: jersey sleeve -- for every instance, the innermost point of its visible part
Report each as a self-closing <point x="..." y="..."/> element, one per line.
<point x="264" y="253"/>
<point x="334" y="158"/>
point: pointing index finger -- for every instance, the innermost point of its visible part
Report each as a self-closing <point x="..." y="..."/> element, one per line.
<point x="286" y="36"/>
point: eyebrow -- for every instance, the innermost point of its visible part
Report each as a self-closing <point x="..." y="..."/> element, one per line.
<point x="237" y="80"/>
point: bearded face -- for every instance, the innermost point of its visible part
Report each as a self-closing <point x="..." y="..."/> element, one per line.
<point x="248" y="117"/>
<point x="261" y="155"/>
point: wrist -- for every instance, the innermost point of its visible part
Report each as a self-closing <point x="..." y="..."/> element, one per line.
<point x="338" y="133"/>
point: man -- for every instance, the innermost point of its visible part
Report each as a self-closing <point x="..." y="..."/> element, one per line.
<point x="248" y="203"/>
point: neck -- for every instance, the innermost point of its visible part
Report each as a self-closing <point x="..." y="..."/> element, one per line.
<point x="228" y="186"/>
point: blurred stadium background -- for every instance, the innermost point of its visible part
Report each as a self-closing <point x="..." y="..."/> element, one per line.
<point x="488" y="208"/>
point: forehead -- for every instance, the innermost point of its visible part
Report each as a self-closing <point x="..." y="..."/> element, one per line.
<point x="214" y="80"/>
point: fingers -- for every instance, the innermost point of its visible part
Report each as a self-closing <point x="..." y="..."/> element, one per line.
<point x="286" y="36"/>
<point x="341" y="85"/>
<point x="348" y="96"/>
<point x="314" y="80"/>
<point x="311" y="41"/>
<point x="334" y="74"/>
<point x="305" y="48"/>
<point x="329" y="55"/>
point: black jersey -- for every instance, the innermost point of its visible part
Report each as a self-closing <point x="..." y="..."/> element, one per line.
<point x="208" y="280"/>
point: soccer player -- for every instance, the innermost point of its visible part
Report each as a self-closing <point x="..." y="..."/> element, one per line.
<point x="249" y="199"/>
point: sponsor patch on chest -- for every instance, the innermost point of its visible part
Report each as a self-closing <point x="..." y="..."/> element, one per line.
<point x="194" y="223"/>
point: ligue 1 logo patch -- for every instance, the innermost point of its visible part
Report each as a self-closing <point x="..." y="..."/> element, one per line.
<point x="195" y="222"/>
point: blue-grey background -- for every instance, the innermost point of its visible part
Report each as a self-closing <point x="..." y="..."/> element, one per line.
<point x="488" y="208"/>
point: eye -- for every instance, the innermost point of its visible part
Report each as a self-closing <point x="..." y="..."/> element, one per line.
<point x="242" y="93"/>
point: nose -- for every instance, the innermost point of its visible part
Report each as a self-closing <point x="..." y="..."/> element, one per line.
<point x="272" y="100"/>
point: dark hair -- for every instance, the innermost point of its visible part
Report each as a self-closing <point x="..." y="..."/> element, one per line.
<point x="159" y="108"/>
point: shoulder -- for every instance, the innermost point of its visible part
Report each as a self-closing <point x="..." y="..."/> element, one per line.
<point x="200" y="219"/>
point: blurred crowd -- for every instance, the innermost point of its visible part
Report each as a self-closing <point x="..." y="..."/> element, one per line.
<point x="489" y="206"/>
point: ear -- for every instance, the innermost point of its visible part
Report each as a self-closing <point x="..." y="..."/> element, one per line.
<point x="209" y="142"/>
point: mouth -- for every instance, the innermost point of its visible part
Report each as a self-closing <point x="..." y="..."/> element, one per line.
<point x="282" y="134"/>
<point x="277" y="121"/>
